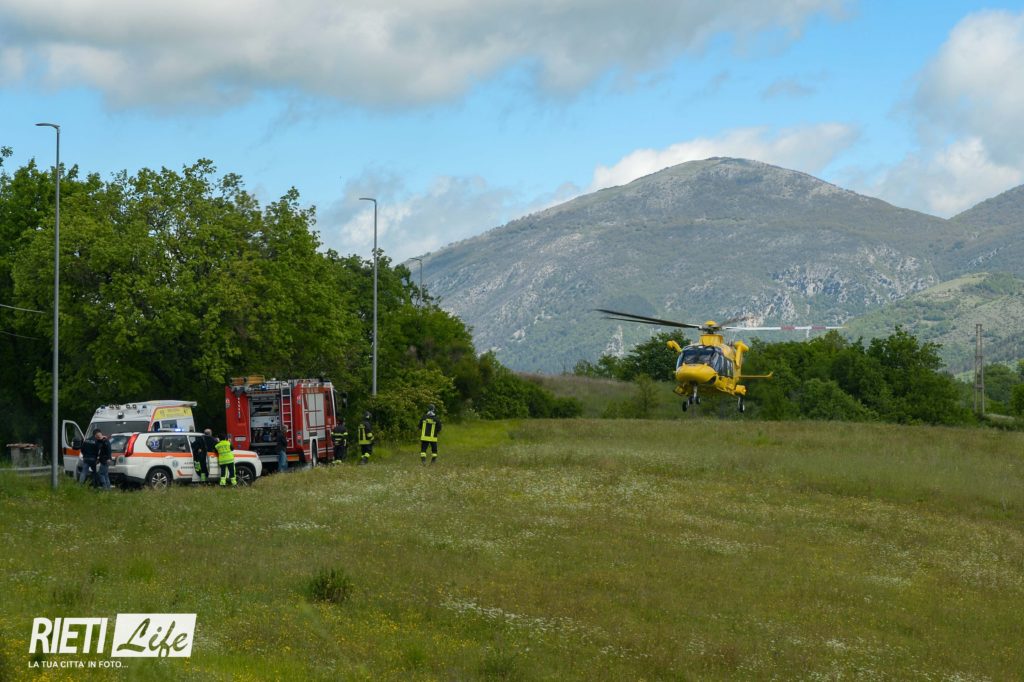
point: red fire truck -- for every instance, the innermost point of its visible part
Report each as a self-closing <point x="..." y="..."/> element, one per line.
<point x="258" y="409"/>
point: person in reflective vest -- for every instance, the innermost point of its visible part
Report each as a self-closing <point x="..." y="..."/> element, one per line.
<point x="430" y="429"/>
<point x="365" y="439"/>
<point x="339" y="434"/>
<point x="226" y="461"/>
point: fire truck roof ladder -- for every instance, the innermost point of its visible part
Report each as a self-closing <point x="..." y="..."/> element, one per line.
<point x="286" y="408"/>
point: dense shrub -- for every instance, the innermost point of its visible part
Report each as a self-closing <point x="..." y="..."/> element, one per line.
<point x="825" y="400"/>
<point x="506" y="395"/>
<point x="398" y="409"/>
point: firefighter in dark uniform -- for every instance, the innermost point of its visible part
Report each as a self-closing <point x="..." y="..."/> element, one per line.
<point x="365" y="439"/>
<point x="339" y="434"/>
<point x="430" y="429"/>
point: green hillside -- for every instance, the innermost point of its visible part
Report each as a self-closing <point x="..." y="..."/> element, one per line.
<point x="990" y="235"/>
<point x="562" y="550"/>
<point x="947" y="314"/>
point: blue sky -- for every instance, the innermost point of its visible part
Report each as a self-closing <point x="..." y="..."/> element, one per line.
<point x="459" y="115"/>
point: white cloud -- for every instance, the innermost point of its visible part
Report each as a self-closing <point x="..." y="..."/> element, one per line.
<point x="968" y="103"/>
<point x="411" y="223"/>
<point x="946" y="181"/>
<point x="808" y="149"/>
<point x="164" y="52"/>
<point x="975" y="85"/>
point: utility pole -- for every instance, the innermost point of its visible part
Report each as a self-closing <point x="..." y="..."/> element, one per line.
<point x="54" y="435"/>
<point x="375" y="259"/>
<point x="979" y="373"/>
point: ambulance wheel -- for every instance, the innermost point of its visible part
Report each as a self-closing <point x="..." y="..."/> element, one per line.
<point x="159" y="478"/>
<point x="246" y="474"/>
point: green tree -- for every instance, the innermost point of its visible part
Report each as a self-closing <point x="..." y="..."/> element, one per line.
<point x="646" y="399"/>
<point x="1017" y="400"/>
<point x="652" y="358"/>
<point x="824" y="399"/>
<point x="920" y="393"/>
<point x="999" y="382"/>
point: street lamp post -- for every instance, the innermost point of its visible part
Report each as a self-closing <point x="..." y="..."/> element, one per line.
<point x="54" y="436"/>
<point x="421" y="278"/>
<point x="374" y="290"/>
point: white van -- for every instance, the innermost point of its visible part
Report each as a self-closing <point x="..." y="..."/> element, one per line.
<point x="151" y="415"/>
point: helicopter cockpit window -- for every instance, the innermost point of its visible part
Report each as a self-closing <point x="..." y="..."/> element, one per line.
<point x="700" y="355"/>
<point x="718" y="363"/>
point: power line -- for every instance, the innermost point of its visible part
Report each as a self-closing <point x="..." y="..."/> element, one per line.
<point x="24" y="310"/>
<point x="20" y="336"/>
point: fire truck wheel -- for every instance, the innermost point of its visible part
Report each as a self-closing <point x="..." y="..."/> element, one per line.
<point x="159" y="478"/>
<point x="246" y="474"/>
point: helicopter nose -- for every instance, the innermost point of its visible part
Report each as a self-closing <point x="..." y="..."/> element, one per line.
<point x="695" y="374"/>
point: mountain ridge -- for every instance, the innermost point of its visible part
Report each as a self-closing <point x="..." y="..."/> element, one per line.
<point x="713" y="238"/>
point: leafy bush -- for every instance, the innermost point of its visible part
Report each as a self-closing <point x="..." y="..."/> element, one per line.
<point x="825" y="400"/>
<point x="1017" y="400"/>
<point x="895" y="379"/>
<point x="652" y="358"/>
<point x="506" y="395"/>
<point x="398" y="409"/>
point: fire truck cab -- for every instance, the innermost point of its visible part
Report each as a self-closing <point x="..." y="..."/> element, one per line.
<point x="151" y="415"/>
<point x="258" y="410"/>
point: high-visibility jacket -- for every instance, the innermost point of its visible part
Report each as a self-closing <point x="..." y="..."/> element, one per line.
<point x="430" y="429"/>
<point x="224" y="453"/>
<point x="365" y="433"/>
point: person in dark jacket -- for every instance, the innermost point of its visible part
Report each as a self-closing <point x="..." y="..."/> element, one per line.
<point x="103" y="458"/>
<point x="201" y="457"/>
<point x="211" y="440"/>
<point x="90" y="455"/>
<point x="339" y="434"/>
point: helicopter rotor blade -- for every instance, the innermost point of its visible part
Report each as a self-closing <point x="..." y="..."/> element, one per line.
<point x="630" y="317"/>
<point x="785" y="328"/>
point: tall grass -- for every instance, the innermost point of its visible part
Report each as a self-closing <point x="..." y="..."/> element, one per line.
<point x="583" y="549"/>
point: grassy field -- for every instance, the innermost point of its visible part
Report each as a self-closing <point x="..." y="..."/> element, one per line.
<point x="618" y="550"/>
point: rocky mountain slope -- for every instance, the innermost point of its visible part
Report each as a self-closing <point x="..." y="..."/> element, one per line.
<point x="705" y="239"/>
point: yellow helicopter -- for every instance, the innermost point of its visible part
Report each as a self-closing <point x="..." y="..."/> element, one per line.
<point x="711" y="364"/>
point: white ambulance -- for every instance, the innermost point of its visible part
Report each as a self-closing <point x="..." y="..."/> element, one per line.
<point x="160" y="459"/>
<point x="151" y="415"/>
